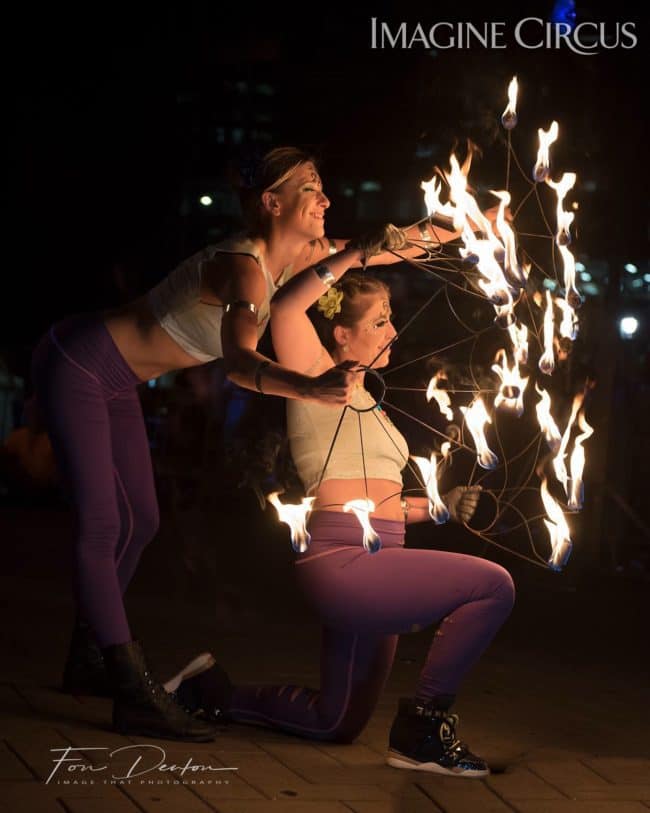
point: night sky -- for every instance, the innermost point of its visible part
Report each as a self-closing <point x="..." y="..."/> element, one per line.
<point x="120" y="117"/>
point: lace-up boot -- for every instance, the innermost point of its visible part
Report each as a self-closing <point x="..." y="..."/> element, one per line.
<point x="142" y="706"/>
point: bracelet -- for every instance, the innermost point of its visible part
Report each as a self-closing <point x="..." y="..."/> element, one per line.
<point x="324" y="275"/>
<point x="405" y="508"/>
<point x="258" y="375"/>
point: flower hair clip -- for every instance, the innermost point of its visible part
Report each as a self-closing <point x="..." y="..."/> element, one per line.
<point x="330" y="303"/>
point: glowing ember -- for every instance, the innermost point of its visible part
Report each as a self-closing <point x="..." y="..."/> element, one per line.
<point x="546" y="138"/>
<point x="547" y="359"/>
<point x="509" y="116"/>
<point x="295" y="516"/>
<point x="441" y="396"/>
<point x="363" y="509"/>
<point x="558" y="530"/>
<point x="429" y="471"/>
<point x="476" y="417"/>
<point x="577" y="464"/>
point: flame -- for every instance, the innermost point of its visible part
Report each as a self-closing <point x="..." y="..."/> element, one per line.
<point x="435" y="206"/>
<point x="547" y="359"/>
<point x="546" y="422"/>
<point x="511" y="264"/>
<point x="558" y="461"/>
<point x="519" y="337"/>
<point x="509" y="116"/>
<point x="476" y="417"/>
<point x="572" y="294"/>
<point x="558" y="530"/>
<point x="546" y="138"/>
<point x="563" y="219"/>
<point x="444" y="449"/>
<point x="494" y="283"/>
<point x="513" y="386"/>
<point x="569" y="324"/>
<point x="441" y="396"/>
<point x="429" y="471"/>
<point x="578" y="464"/>
<point x="362" y="509"/>
<point x="295" y="516"/>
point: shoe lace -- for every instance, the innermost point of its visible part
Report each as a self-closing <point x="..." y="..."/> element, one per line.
<point x="448" y="738"/>
<point x="170" y="698"/>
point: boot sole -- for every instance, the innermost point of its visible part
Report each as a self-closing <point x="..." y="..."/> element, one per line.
<point x="397" y="760"/>
<point x="158" y="735"/>
<point x="201" y="663"/>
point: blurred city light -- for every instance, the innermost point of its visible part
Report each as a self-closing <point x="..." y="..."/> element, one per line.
<point x="628" y="326"/>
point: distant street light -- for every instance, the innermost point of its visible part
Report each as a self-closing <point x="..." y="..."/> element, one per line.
<point x="628" y="326"/>
<point x="205" y="200"/>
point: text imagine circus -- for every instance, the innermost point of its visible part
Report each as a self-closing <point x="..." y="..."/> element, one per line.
<point x="585" y="38"/>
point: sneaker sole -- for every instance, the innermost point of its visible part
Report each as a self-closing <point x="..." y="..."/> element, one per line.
<point x="397" y="760"/>
<point x="200" y="664"/>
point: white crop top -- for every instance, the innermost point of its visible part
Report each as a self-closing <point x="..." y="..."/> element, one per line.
<point x="196" y="325"/>
<point x="311" y="427"/>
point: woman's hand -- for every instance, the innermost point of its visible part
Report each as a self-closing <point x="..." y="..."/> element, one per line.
<point x="461" y="502"/>
<point x="386" y="238"/>
<point x="335" y="386"/>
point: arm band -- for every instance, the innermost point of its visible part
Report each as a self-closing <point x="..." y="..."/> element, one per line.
<point x="324" y="275"/>
<point x="241" y="303"/>
<point x="332" y="249"/>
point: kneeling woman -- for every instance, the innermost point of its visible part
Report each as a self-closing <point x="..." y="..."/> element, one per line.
<point x="365" y="601"/>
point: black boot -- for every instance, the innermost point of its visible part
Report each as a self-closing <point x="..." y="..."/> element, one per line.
<point x="85" y="670"/>
<point x="423" y="738"/>
<point x="203" y="688"/>
<point x="141" y="704"/>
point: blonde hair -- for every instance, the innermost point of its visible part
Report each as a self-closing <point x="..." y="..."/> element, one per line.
<point x="268" y="175"/>
<point x="355" y="287"/>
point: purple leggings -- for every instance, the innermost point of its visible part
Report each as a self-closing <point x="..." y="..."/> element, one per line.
<point x="86" y="394"/>
<point x="365" y="601"/>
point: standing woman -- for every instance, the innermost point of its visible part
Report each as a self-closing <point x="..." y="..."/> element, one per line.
<point x="86" y="370"/>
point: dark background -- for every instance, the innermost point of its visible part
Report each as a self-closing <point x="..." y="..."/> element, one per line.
<point x="121" y="117"/>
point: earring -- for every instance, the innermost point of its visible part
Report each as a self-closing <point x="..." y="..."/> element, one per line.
<point x="345" y="348"/>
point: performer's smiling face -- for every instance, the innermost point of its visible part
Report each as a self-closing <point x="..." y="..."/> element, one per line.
<point x="301" y="202"/>
<point x="369" y="339"/>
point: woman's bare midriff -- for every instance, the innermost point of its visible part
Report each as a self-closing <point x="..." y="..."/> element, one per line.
<point x="386" y="495"/>
<point x="146" y="347"/>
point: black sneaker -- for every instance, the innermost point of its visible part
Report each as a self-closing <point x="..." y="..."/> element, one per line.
<point x="423" y="738"/>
